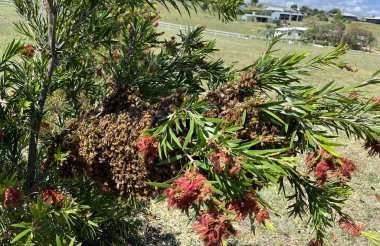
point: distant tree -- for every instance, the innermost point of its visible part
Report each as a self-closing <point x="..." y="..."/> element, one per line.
<point x="358" y="38"/>
<point x="305" y="10"/>
<point x="338" y="16"/>
<point x="294" y="7"/>
<point x="335" y="11"/>
<point x="314" y="12"/>
<point x="254" y="2"/>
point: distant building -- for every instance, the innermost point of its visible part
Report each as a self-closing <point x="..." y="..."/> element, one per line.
<point x="349" y="16"/>
<point x="281" y="16"/>
<point x="287" y="16"/>
<point x="290" y="33"/>
<point x="375" y="20"/>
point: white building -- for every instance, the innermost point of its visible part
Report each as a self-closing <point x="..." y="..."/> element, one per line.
<point x="290" y="33"/>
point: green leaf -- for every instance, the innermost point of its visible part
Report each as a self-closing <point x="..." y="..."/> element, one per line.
<point x="189" y="134"/>
<point x="58" y="240"/>
<point x="170" y="160"/>
<point x="21" y="235"/>
<point x="244" y="117"/>
<point x="159" y="185"/>
<point x="269" y="226"/>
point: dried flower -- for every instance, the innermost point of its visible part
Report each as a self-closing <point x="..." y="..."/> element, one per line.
<point x="262" y="215"/>
<point x="188" y="189"/>
<point x="309" y="160"/>
<point x="12" y="197"/>
<point x="55" y="197"/>
<point x="149" y="147"/>
<point x="221" y="160"/>
<point x="315" y="242"/>
<point x="28" y="50"/>
<point x="373" y="147"/>
<point x="213" y="229"/>
<point x="245" y="206"/>
<point x="350" y="226"/>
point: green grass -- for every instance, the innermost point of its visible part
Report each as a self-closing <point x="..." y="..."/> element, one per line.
<point x="7" y="31"/>
<point x="366" y="183"/>
<point x="244" y="27"/>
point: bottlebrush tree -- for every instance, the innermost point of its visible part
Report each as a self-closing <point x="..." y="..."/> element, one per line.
<point x="168" y="116"/>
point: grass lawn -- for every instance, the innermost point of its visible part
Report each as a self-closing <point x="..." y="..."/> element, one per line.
<point x="244" y="27"/>
<point x="362" y="205"/>
<point x="7" y="31"/>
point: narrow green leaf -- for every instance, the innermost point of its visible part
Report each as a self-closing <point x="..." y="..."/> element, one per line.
<point x="21" y="235"/>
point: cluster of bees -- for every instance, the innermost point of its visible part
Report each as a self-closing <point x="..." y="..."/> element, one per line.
<point x="237" y="102"/>
<point x="103" y="143"/>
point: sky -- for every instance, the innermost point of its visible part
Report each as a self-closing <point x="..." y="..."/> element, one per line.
<point x="363" y="7"/>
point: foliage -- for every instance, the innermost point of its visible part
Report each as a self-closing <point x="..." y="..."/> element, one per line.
<point x="225" y="172"/>
<point x="225" y="145"/>
<point x="69" y="44"/>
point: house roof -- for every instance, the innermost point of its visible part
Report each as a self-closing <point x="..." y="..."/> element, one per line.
<point x="274" y="9"/>
<point x="285" y="29"/>
<point x="349" y="15"/>
<point x="372" y="18"/>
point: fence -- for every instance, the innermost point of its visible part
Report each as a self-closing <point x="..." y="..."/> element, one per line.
<point x="172" y="26"/>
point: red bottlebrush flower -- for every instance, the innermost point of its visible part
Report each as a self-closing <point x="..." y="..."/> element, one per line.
<point x="348" y="167"/>
<point x="55" y="197"/>
<point x="235" y="170"/>
<point x="322" y="168"/>
<point x="28" y="50"/>
<point x="1" y="137"/>
<point x="245" y="206"/>
<point x="220" y="160"/>
<point x="375" y="100"/>
<point x="188" y="189"/>
<point x="350" y="226"/>
<point x="149" y="147"/>
<point x="373" y="147"/>
<point x="12" y="197"/>
<point x="262" y="215"/>
<point x="213" y="229"/>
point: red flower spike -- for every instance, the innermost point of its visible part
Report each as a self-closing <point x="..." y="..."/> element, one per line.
<point x="243" y="207"/>
<point x="221" y="160"/>
<point x="28" y="50"/>
<point x="350" y="226"/>
<point x="148" y="146"/>
<point x="262" y="215"/>
<point x="235" y="170"/>
<point x="375" y="100"/>
<point x="348" y="167"/>
<point x="188" y="189"/>
<point x="12" y="197"/>
<point x="55" y="197"/>
<point x="213" y="229"/>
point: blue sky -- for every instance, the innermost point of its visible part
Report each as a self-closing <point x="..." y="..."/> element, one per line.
<point x="363" y="7"/>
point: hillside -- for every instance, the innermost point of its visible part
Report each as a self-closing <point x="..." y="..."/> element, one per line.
<point x="249" y="28"/>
